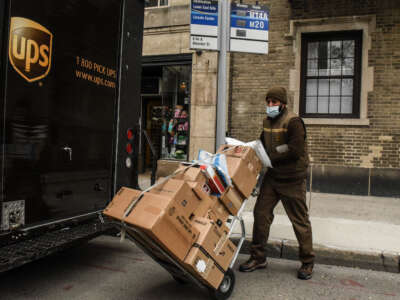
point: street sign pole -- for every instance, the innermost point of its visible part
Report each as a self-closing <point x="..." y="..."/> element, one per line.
<point x="222" y="73"/>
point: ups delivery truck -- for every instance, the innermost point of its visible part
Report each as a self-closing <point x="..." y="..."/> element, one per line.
<point x="69" y="98"/>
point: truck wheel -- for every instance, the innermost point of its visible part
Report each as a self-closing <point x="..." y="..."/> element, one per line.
<point x="225" y="288"/>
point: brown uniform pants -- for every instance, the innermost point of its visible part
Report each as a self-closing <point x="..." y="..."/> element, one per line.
<point x="293" y="197"/>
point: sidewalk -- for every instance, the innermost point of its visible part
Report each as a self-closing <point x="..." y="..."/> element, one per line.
<point x="353" y="231"/>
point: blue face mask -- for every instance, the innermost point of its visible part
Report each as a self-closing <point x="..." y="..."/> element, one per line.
<point x="273" y="111"/>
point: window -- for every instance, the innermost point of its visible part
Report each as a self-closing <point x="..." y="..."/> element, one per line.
<point x="331" y="74"/>
<point x="155" y="3"/>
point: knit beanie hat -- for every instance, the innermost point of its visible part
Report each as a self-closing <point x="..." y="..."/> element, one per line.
<point x="278" y="93"/>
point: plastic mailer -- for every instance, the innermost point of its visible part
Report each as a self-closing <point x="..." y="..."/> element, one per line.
<point x="257" y="146"/>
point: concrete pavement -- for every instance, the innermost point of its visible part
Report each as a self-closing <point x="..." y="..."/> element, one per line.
<point x="353" y="231"/>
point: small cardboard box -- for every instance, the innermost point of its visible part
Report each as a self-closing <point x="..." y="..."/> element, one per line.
<point x="212" y="253"/>
<point x="232" y="200"/>
<point x="243" y="178"/>
<point x="210" y="206"/>
<point x="203" y="266"/>
<point x="218" y="212"/>
<point x="206" y="200"/>
<point x="193" y="174"/>
<point x="244" y="152"/>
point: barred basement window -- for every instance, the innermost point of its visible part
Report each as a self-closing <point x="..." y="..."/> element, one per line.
<point x="155" y="3"/>
<point x="331" y="74"/>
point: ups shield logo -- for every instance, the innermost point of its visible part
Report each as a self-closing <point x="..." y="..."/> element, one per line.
<point x="30" y="48"/>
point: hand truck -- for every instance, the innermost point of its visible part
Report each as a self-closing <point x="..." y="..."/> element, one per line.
<point x="175" y="268"/>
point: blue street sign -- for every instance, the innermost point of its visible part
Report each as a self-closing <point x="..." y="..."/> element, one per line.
<point x="249" y="17"/>
<point x="204" y="14"/>
<point x="204" y="20"/>
<point x="249" y="28"/>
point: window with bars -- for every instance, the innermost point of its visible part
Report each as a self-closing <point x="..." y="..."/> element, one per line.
<point x="331" y="74"/>
<point x="155" y="3"/>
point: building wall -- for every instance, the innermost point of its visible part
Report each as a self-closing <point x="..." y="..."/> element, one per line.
<point x="364" y="152"/>
<point x="167" y="32"/>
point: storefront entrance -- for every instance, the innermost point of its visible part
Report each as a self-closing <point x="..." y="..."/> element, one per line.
<point x="165" y="110"/>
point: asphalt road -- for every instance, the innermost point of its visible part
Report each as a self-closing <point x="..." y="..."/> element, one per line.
<point x="106" y="269"/>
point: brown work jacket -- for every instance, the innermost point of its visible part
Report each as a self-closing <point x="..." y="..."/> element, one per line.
<point x="284" y="139"/>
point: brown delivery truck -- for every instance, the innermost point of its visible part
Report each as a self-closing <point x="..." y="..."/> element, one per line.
<point x="69" y="98"/>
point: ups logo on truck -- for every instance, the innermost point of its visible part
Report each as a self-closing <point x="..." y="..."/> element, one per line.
<point x="30" y="48"/>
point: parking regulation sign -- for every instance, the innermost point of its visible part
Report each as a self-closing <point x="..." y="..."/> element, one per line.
<point x="204" y="25"/>
<point x="249" y="28"/>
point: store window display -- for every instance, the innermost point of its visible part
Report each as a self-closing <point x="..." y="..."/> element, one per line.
<point x="178" y="134"/>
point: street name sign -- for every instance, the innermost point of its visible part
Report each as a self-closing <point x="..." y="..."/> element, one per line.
<point x="204" y="32"/>
<point x="249" y="28"/>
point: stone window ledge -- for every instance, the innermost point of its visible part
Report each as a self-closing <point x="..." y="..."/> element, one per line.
<point x="340" y="122"/>
<point x="318" y="22"/>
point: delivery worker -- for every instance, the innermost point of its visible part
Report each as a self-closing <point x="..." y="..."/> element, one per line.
<point x="284" y="139"/>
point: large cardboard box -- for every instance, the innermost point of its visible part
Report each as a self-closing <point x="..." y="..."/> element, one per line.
<point x="163" y="218"/>
<point x="232" y="200"/>
<point x="122" y="199"/>
<point x="181" y="192"/>
<point x="243" y="178"/>
<point x="244" y="152"/>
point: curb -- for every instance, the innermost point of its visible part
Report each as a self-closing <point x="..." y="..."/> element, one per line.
<point x="375" y="260"/>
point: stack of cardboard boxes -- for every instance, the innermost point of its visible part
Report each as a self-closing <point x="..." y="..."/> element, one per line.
<point x="187" y="218"/>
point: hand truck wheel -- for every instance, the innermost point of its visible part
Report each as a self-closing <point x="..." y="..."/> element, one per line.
<point x="225" y="288"/>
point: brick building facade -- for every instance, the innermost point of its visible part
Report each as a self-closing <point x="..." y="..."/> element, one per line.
<point x="358" y="154"/>
<point x="339" y="61"/>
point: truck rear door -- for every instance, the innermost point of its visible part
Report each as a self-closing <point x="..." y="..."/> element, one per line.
<point x="60" y="106"/>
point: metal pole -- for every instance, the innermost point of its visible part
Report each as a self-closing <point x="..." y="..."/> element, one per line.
<point x="222" y="76"/>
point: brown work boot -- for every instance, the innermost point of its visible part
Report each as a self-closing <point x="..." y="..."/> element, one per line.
<point x="305" y="271"/>
<point x="252" y="264"/>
